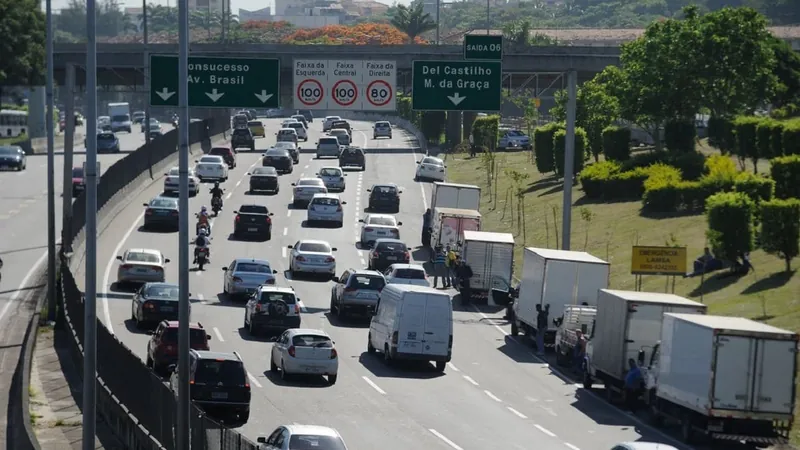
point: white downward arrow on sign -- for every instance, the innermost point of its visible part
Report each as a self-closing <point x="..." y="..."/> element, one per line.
<point x="165" y="94"/>
<point x="263" y="96"/>
<point x="456" y="99"/>
<point x="214" y="96"/>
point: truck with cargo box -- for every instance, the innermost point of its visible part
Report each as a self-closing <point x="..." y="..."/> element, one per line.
<point x="453" y="195"/>
<point x="727" y="378"/>
<point x="449" y="225"/>
<point x="491" y="258"/>
<point x="627" y="326"/>
<point x="558" y="278"/>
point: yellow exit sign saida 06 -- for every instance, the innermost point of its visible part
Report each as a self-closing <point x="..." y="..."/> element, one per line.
<point x="658" y="260"/>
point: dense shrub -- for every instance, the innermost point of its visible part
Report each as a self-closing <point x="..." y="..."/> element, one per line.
<point x="764" y="137"/>
<point x="692" y="165"/>
<point x="730" y="224"/>
<point x="776" y="139"/>
<point x="720" y="134"/>
<point x="605" y="180"/>
<point x="617" y="143"/>
<point x="485" y="130"/>
<point x="679" y="136"/>
<point x="543" y="146"/>
<point x="660" y="188"/>
<point x="432" y="125"/>
<point x="595" y="177"/>
<point x="791" y="138"/>
<point x="780" y="229"/>
<point x="559" y="147"/>
<point x="720" y="174"/>
<point x="757" y="187"/>
<point x="745" y="132"/>
<point x="786" y="173"/>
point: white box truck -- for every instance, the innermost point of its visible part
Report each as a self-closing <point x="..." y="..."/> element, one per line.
<point x="491" y="258"/>
<point x="120" y="114"/>
<point x="449" y="225"/>
<point x="452" y="195"/>
<point x="558" y="278"/>
<point x="727" y="378"/>
<point x="627" y="326"/>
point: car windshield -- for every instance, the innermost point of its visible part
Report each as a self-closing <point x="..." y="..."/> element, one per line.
<point x="385" y="190"/>
<point x="341" y="124"/>
<point x="330" y="172"/>
<point x="432" y="161"/>
<point x="285" y="297"/>
<point x="142" y="257"/>
<point x="241" y="132"/>
<point x="77" y="172"/>
<point x="9" y="151"/>
<point x="120" y="118"/>
<point x="196" y="336"/>
<point x="371" y="283"/>
<point x="312" y="340"/>
<point x="264" y="171"/>
<point x="325" y="201"/>
<point x="309" y="182"/>
<point x="296" y="125"/>
<point x="164" y="292"/>
<point x="315" y="247"/>
<point x="385" y="221"/>
<point x="251" y="267"/>
<point x="515" y="133"/>
<point x="253" y="209"/>
<point x="163" y="203"/>
<point x="329" y="141"/>
<point x="410" y="274"/>
<point x="105" y="137"/>
<point x="227" y="372"/>
<point x="332" y="118"/>
<point x="313" y="442"/>
<point x="391" y="247"/>
<point x="287" y="131"/>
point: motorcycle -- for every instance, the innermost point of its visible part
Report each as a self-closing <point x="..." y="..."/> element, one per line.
<point x="216" y="205"/>
<point x="202" y="256"/>
<point x="202" y="225"/>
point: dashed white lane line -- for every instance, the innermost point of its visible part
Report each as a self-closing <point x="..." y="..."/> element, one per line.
<point x="517" y="413"/>
<point x="285" y="231"/>
<point x="283" y="252"/>
<point x="492" y="396"/>
<point x="306" y="166"/>
<point x="289" y="213"/>
<point x="484" y="316"/>
<point x="229" y="195"/>
<point x="198" y="273"/>
<point x="571" y="446"/>
<point x="238" y="183"/>
<point x="219" y="335"/>
<point x="444" y="439"/>
<point x="253" y="380"/>
<point x="469" y="378"/>
<point x="452" y="367"/>
<point x="373" y="385"/>
<point x="545" y="430"/>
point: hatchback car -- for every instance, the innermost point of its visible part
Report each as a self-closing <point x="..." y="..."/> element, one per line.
<point x="13" y="157"/>
<point x="243" y="138"/>
<point x="326" y="124"/>
<point x="211" y="168"/>
<point x="333" y="178"/>
<point x="356" y="292"/>
<point x="161" y="212"/>
<point x="312" y="256"/>
<point x="384" y="197"/>
<point x="257" y="128"/>
<point x="342" y="125"/>
<point x="107" y="143"/>
<point x="270" y="309"/>
<point x="304" y="351"/>
<point x="172" y="182"/>
<point x="300" y="129"/>
<point x="386" y="252"/>
<point x="328" y="146"/>
<point x="352" y="156"/>
<point x="162" y="347"/>
<point x="278" y="158"/>
<point x="264" y="179"/>
<point x="292" y="148"/>
<point x="244" y="275"/>
<point x="227" y="155"/>
<point x="154" y="302"/>
<point x="379" y="226"/>
<point x="145" y="126"/>
<point x="325" y="208"/>
<point x="382" y="129"/>
<point x="287" y="135"/>
<point x="342" y="136"/>
<point x="305" y="189"/>
<point x="141" y="265"/>
<point x="406" y="274"/>
<point x="430" y="168"/>
<point x="513" y="139"/>
<point x="314" y="437"/>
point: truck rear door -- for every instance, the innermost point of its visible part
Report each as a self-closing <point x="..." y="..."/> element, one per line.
<point x="734" y="371"/>
<point x="774" y="383"/>
<point x="411" y="329"/>
<point x="438" y="322"/>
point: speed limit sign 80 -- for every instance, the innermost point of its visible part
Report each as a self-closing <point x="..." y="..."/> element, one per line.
<point x="379" y="93"/>
<point x="310" y="92"/>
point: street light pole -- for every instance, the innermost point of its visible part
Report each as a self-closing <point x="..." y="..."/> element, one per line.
<point x="51" y="184"/>
<point x="487" y="17"/>
<point x="146" y="74"/>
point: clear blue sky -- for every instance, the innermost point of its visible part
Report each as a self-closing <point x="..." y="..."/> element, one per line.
<point x="235" y="4"/>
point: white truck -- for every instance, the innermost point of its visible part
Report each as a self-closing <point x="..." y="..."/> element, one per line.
<point x="491" y="258"/>
<point x="120" y="114"/>
<point x="627" y="326"/>
<point x="452" y="195"/>
<point x="728" y="378"/>
<point x="449" y="225"/>
<point x="557" y="278"/>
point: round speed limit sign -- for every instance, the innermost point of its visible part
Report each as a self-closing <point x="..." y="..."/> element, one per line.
<point x="344" y="93"/>
<point x="379" y="93"/>
<point x="310" y="92"/>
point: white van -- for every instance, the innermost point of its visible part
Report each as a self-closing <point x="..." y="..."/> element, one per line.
<point x="412" y="323"/>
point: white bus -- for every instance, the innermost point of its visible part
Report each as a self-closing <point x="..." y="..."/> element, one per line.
<point x="13" y="122"/>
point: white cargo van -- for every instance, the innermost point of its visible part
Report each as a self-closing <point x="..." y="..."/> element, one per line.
<point x="412" y="323"/>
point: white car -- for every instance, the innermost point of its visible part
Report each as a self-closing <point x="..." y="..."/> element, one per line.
<point x="333" y="178"/>
<point x="305" y="189"/>
<point x="141" y="265"/>
<point x="382" y="129"/>
<point x="406" y="274"/>
<point x="287" y="135"/>
<point x="379" y="226"/>
<point x="172" y="181"/>
<point x="326" y="124"/>
<point x="325" y="208"/>
<point x="312" y="256"/>
<point x="304" y="351"/>
<point x="285" y="123"/>
<point x="300" y="129"/>
<point x="513" y="139"/>
<point x="211" y="167"/>
<point x="430" y="168"/>
<point x="302" y="436"/>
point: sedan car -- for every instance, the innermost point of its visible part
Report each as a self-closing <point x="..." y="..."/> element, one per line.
<point x="326" y="124"/>
<point x="141" y="265"/>
<point x="257" y="128"/>
<point x="172" y="182"/>
<point x="107" y="142"/>
<point x="312" y="256"/>
<point x="287" y="135"/>
<point x="243" y="138"/>
<point x="305" y="189"/>
<point x="280" y="159"/>
<point x="406" y="274"/>
<point x="264" y="179"/>
<point x="300" y="118"/>
<point x="161" y="212"/>
<point x="272" y="308"/>
<point x="153" y="303"/>
<point x="303" y="436"/>
<point x="253" y="220"/>
<point x="211" y="168"/>
<point x="325" y="208"/>
<point x="430" y="168"/>
<point x="386" y="252"/>
<point x="291" y="147"/>
<point x="356" y="292"/>
<point x="300" y="129"/>
<point x="144" y="126"/>
<point x="379" y="226"/>
<point x="304" y="351"/>
<point x="384" y="197"/>
<point x="515" y="139"/>
<point x="12" y="157"/>
<point x="341" y="135"/>
<point x="382" y="129"/>
<point x="333" y="178"/>
<point x="244" y="275"/>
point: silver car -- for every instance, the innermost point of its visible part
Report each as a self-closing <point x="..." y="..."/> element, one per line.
<point x="312" y="256"/>
<point x="341" y="135"/>
<point x="382" y="129"/>
<point x="326" y="124"/>
<point x="356" y="292"/>
<point x="304" y="351"/>
<point x="333" y="178"/>
<point x="302" y="436"/>
<point x="325" y="208"/>
<point x="328" y="146"/>
<point x="406" y="274"/>
<point x="172" y="182"/>
<point x="305" y="189"/>
<point x="379" y="226"/>
<point x="244" y="275"/>
<point x="141" y="265"/>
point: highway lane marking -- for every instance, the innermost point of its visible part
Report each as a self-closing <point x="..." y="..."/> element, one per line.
<point x="492" y="396"/>
<point x="517" y="413"/>
<point x="283" y="252"/>
<point x="444" y="439"/>
<point x="548" y="410"/>
<point x="545" y="430"/>
<point x="253" y="379"/>
<point x="238" y="183"/>
<point x="23" y="284"/>
<point x="107" y="274"/>
<point x="219" y="336"/>
<point x="285" y="231"/>
<point x="373" y="385"/>
<point x="229" y="194"/>
<point x="452" y="367"/>
<point x="469" y="378"/>
<point x="571" y="446"/>
<point x="306" y="166"/>
<point x="289" y="213"/>
<point x="13" y="211"/>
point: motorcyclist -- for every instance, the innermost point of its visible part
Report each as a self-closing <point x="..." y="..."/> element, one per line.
<point x="216" y="192"/>
<point x="202" y="242"/>
<point x="202" y="219"/>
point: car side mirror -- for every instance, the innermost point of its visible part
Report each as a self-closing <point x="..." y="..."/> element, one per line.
<point x="361" y="220"/>
<point x="273" y="339"/>
<point x="166" y="260"/>
<point x="399" y="192"/>
<point x="224" y="269"/>
<point x="294" y="184"/>
<point x="208" y="336"/>
<point x="171" y="368"/>
<point x="236" y="212"/>
<point x="369" y="190"/>
<point x="119" y="258"/>
<point x="249" y="173"/>
<point x="261" y="440"/>
<point x="419" y="162"/>
<point x="399" y="224"/>
<point x="274" y="272"/>
<point x="288" y="246"/>
<point x="166" y="174"/>
<point x="334" y="249"/>
<point x="317" y="174"/>
<point x="344" y="203"/>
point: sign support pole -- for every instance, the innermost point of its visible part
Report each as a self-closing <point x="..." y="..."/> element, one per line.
<point x="569" y="160"/>
<point x="51" y="188"/>
<point x="69" y="138"/>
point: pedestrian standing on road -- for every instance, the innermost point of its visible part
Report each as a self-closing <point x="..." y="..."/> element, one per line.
<point x="633" y="385"/>
<point x="578" y="351"/>
<point x="463" y="275"/>
<point x="440" y="268"/>
<point x="451" y="265"/>
<point x="426" y="228"/>
<point x="542" y="316"/>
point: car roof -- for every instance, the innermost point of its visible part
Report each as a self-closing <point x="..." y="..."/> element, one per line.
<point x="313" y="430"/>
<point x="251" y="260"/>
<point x="311" y="331"/>
<point x="207" y="354"/>
<point x="382" y="216"/>
<point x="268" y="288"/>
<point x="330" y="138"/>
<point x="316" y="181"/>
<point x="274" y="149"/>
<point x="325" y="195"/>
<point x="384" y="185"/>
<point x="269" y="169"/>
<point x="338" y="131"/>
<point x="332" y="117"/>
<point x="408" y="266"/>
<point x="388" y="240"/>
<point x="289" y="129"/>
<point x="148" y="251"/>
<point x="285" y="144"/>
<point x="314" y="241"/>
<point x="216" y="157"/>
<point x="373" y="273"/>
<point x="160" y="285"/>
<point x="161" y="197"/>
<point x="330" y="168"/>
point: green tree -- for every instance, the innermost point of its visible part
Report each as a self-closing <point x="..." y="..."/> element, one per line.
<point x="730" y="224"/>
<point x="780" y="229"/>
<point x="412" y="20"/>
<point x="22" y="26"/>
<point x="787" y="71"/>
<point x="111" y="21"/>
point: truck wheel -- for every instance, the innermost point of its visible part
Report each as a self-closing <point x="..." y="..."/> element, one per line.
<point x="514" y="328"/>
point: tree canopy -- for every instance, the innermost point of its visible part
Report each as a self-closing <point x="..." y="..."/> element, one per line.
<point x="22" y="26"/>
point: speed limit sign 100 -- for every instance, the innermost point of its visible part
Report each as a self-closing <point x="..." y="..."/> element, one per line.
<point x="379" y="93"/>
<point x="309" y="92"/>
<point x="345" y="93"/>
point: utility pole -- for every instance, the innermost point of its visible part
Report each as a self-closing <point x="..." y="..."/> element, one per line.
<point x="69" y="138"/>
<point x="146" y="75"/>
<point x="51" y="184"/>
<point x="569" y="160"/>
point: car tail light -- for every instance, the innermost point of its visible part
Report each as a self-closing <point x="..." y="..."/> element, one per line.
<point x="296" y="308"/>
<point x="369" y="230"/>
<point x="376" y="255"/>
<point x="394" y="338"/>
<point x="238" y="218"/>
<point x="148" y="305"/>
<point x="291" y="351"/>
<point x="395" y="233"/>
<point x="407" y="256"/>
<point x="148" y="212"/>
<point x="329" y="259"/>
<point x="341" y="178"/>
<point x="237" y="280"/>
<point x="300" y="258"/>
<point x="269" y="220"/>
<point x="450" y="342"/>
<point x="333" y="353"/>
<point x="125" y="267"/>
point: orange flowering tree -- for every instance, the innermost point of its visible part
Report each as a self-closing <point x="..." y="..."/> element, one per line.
<point x="361" y="34"/>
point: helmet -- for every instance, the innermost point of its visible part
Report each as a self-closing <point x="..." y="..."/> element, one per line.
<point x="216" y="184"/>
<point x="203" y="209"/>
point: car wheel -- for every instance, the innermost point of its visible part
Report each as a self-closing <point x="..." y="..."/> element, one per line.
<point x="370" y="348"/>
<point x="284" y="375"/>
<point x="244" y="320"/>
<point x="332" y="379"/>
<point x="387" y="357"/>
<point x="244" y="417"/>
<point x="251" y="329"/>
<point x="272" y="366"/>
<point x="440" y="365"/>
<point x="149" y="362"/>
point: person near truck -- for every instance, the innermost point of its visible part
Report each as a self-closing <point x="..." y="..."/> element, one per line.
<point x="578" y="351"/>
<point x="542" y="316"/>
<point x="426" y="228"/>
<point x="633" y="384"/>
<point x="451" y="265"/>
<point x="463" y="275"/>
<point x="440" y="268"/>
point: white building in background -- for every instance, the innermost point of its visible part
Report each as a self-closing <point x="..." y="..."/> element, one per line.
<point x="254" y="16"/>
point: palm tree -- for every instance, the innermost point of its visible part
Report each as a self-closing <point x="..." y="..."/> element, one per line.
<point x="412" y="21"/>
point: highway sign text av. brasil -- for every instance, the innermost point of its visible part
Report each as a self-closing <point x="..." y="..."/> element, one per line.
<point x="217" y="82"/>
<point x="457" y="85"/>
<point x="483" y="46"/>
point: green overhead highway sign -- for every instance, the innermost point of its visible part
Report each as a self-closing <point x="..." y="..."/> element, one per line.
<point x="456" y="85"/>
<point x="483" y="46"/>
<point x="217" y="82"/>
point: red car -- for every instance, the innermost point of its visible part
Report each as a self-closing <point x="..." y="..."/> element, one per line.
<point x="162" y="348"/>
<point x="227" y="154"/>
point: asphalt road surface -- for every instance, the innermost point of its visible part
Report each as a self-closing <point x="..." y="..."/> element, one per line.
<point x="494" y="394"/>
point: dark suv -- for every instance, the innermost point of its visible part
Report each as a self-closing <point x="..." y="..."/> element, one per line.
<point x="342" y="125"/>
<point x="384" y="197"/>
<point x="219" y="385"/>
<point x="353" y="157"/>
<point x="226" y="153"/>
<point x="162" y="348"/>
<point x="242" y="137"/>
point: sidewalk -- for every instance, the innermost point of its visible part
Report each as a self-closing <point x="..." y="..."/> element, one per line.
<point x="55" y="392"/>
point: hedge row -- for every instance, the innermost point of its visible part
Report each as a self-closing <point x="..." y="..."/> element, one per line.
<point x="617" y="143"/>
<point x="485" y="131"/>
<point x="549" y="147"/>
<point x="786" y="173"/>
<point x="755" y="137"/>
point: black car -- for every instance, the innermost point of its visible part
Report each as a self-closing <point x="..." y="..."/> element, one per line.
<point x="280" y="159"/>
<point x="161" y="212"/>
<point x="242" y="137"/>
<point x="253" y="220"/>
<point x="386" y="252"/>
<point x="153" y="303"/>
<point x="264" y="179"/>
<point x="307" y="114"/>
<point x="384" y="197"/>
<point x="342" y="125"/>
<point x="12" y="157"/>
<point x="227" y="155"/>
<point x="220" y="385"/>
<point x="352" y="156"/>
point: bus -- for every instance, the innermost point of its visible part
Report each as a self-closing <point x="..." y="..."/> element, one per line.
<point x="13" y="123"/>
